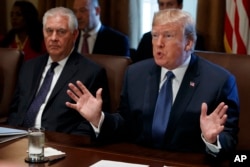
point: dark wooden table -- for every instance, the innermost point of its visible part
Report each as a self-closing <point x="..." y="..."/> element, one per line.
<point x="81" y="152"/>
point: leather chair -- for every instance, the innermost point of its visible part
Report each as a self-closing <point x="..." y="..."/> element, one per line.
<point x="115" y="68"/>
<point x="239" y="66"/>
<point x="10" y="62"/>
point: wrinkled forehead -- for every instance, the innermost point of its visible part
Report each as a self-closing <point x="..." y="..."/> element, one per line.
<point x="57" y="21"/>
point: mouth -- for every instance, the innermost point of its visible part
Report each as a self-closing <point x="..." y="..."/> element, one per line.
<point x="159" y="54"/>
<point x="54" y="47"/>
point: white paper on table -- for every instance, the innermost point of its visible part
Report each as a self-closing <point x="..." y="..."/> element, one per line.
<point x="7" y="134"/>
<point x="53" y="154"/>
<point x="107" y="163"/>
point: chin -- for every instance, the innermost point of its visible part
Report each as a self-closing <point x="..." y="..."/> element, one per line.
<point x="159" y="62"/>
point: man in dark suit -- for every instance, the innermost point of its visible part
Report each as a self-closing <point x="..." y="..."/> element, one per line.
<point x="204" y="113"/>
<point x="60" y="32"/>
<point x="101" y="39"/>
<point x="144" y="49"/>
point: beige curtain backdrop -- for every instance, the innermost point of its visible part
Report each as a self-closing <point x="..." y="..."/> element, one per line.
<point x="123" y="15"/>
<point x="3" y="19"/>
<point x="210" y="23"/>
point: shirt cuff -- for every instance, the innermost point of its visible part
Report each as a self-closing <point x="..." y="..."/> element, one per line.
<point x="97" y="129"/>
<point x="213" y="148"/>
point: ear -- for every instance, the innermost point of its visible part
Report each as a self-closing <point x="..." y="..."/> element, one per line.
<point x="75" y="34"/>
<point x="189" y="45"/>
<point x="98" y="10"/>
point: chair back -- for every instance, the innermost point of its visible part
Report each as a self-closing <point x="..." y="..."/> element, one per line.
<point x="115" y="67"/>
<point x="10" y="62"/>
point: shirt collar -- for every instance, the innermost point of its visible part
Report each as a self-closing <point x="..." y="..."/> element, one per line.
<point x="94" y="31"/>
<point x="178" y="72"/>
<point x="61" y="62"/>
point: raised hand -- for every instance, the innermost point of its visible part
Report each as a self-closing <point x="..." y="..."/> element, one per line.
<point x="213" y="124"/>
<point x="85" y="103"/>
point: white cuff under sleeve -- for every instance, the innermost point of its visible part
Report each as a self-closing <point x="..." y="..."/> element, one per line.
<point x="97" y="129"/>
<point x="213" y="148"/>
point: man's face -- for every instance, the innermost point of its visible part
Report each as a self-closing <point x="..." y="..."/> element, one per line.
<point x="87" y="15"/>
<point x="167" y="4"/>
<point x="170" y="46"/>
<point x="59" y="40"/>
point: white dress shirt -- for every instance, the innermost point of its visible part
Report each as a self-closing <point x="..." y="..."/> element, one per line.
<point x="57" y="72"/>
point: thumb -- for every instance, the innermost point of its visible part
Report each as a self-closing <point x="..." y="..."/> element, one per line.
<point x="203" y="110"/>
<point x="99" y="94"/>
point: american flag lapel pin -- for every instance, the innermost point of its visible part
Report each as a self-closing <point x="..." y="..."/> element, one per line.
<point x="192" y="84"/>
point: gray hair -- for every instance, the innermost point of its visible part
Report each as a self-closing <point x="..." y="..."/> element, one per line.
<point x="62" y="11"/>
<point x="177" y="16"/>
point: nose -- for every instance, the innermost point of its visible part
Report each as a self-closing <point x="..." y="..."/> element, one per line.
<point x="54" y="36"/>
<point x="160" y="42"/>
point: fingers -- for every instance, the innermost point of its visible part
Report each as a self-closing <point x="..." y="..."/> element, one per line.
<point x="71" y="105"/>
<point x="222" y="109"/>
<point x="223" y="119"/>
<point x="77" y="91"/>
<point x="72" y="95"/>
<point x="83" y="89"/>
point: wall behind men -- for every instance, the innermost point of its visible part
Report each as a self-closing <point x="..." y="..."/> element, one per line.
<point x="3" y="18"/>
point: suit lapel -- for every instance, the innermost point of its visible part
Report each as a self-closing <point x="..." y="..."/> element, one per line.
<point x="151" y="93"/>
<point x="69" y="70"/>
<point x="37" y="75"/>
<point x="185" y="93"/>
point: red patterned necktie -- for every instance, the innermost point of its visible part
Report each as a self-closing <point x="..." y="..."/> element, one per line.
<point x="85" y="47"/>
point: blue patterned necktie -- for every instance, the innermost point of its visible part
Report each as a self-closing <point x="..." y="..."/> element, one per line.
<point x="162" y="110"/>
<point x="31" y="114"/>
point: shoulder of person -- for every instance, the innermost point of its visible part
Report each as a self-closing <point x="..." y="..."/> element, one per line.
<point x="112" y="31"/>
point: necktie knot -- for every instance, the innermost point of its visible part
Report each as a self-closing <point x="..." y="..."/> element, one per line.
<point x="170" y="75"/>
<point x="86" y="35"/>
<point x="53" y="66"/>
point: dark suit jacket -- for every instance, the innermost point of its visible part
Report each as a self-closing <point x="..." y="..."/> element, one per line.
<point x="110" y="42"/>
<point x="145" y="48"/>
<point x="202" y="82"/>
<point x="57" y="116"/>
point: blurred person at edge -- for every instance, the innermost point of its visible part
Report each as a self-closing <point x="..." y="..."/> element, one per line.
<point x="26" y="33"/>
<point x="102" y="39"/>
